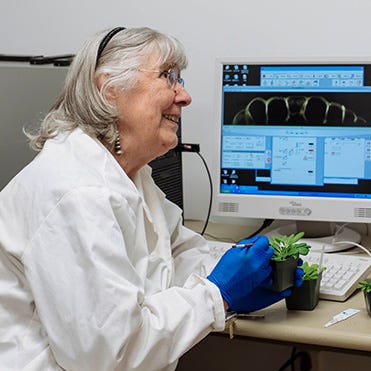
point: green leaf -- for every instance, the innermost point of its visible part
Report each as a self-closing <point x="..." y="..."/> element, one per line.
<point x="365" y="285"/>
<point x="311" y="272"/>
<point x="288" y="246"/>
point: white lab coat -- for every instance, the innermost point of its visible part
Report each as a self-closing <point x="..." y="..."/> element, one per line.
<point x="96" y="271"/>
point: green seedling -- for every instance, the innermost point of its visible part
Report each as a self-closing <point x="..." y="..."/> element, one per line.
<point x="288" y="246"/>
<point x="365" y="286"/>
<point x="311" y="271"/>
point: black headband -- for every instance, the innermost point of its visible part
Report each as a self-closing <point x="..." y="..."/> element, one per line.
<point x="105" y="41"/>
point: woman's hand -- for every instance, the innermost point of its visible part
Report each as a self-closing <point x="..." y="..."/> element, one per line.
<point x="240" y="270"/>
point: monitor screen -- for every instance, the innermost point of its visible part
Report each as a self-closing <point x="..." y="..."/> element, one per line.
<point x="294" y="140"/>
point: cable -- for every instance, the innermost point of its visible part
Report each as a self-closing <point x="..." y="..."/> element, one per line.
<point x="305" y="361"/>
<point x="339" y="229"/>
<point x="211" y="195"/>
<point x="191" y="147"/>
<point x="292" y="358"/>
<point x="220" y="238"/>
<point x="353" y="244"/>
<point x="266" y="224"/>
<point x="289" y="362"/>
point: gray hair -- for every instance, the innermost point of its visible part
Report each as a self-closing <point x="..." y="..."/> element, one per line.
<point x="81" y="104"/>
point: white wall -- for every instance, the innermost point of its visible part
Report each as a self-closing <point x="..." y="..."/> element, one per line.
<point x="208" y="29"/>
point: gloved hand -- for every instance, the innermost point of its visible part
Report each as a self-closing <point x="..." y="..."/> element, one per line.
<point x="262" y="296"/>
<point x="299" y="274"/>
<point x="259" y="298"/>
<point x="240" y="270"/>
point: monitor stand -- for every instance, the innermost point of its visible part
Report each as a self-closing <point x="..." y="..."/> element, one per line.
<point x="321" y="234"/>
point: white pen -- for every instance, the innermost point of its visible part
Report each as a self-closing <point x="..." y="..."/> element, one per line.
<point x="342" y="316"/>
<point x="242" y="245"/>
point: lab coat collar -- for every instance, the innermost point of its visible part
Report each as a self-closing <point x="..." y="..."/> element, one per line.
<point x="152" y="197"/>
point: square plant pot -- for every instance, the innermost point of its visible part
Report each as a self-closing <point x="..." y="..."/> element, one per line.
<point x="283" y="274"/>
<point x="367" y="296"/>
<point x="306" y="296"/>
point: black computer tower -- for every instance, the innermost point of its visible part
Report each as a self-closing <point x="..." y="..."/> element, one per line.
<point x="168" y="175"/>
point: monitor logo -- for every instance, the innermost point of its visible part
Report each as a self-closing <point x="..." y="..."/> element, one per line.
<point x="295" y="209"/>
<point x="295" y="204"/>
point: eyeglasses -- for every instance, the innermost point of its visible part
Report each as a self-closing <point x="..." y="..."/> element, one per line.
<point x="171" y="76"/>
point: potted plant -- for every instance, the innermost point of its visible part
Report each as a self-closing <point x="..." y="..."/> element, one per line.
<point x="365" y="286"/>
<point x="287" y="250"/>
<point x="306" y="296"/>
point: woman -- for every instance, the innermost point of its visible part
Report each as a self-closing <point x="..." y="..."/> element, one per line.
<point x="98" y="272"/>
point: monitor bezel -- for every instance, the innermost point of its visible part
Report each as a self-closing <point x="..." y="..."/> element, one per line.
<point x="329" y="209"/>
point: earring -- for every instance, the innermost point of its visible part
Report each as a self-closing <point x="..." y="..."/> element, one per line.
<point x="117" y="145"/>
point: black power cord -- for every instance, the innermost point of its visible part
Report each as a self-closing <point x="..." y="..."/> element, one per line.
<point x="191" y="147"/>
<point x="211" y="195"/>
<point x="266" y="224"/>
<point x="305" y="361"/>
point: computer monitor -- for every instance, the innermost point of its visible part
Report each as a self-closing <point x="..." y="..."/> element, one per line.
<point x="294" y="143"/>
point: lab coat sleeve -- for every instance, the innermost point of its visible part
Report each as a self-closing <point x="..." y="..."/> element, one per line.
<point x="92" y="302"/>
<point x="190" y="250"/>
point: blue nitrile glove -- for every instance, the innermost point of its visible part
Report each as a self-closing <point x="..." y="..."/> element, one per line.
<point x="241" y="269"/>
<point x="259" y="298"/>
<point x="299" y="273"/>
<point x="262" y="297"/>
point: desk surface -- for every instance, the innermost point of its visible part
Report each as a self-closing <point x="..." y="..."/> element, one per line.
<point x="307" y="327"/>
<point x="303" y="327"/>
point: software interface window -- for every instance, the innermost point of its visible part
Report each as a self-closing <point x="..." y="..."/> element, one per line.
<point x="291" y="130"/>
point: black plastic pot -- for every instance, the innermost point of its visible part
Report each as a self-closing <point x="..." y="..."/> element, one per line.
<point x="306" y="296"/>
<point x="367" y="296"/>
<point x="283" y="274"/>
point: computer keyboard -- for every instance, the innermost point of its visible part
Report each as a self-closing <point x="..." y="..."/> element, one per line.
<point x="341" y="277"/>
